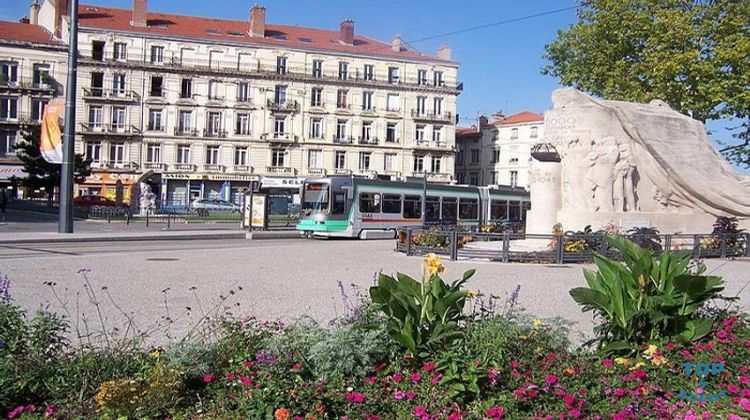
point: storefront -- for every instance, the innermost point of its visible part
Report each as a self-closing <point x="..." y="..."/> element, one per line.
<point x="180" y="189"/>
<point x="105" y="183"/>
<point x="10" y="179"/>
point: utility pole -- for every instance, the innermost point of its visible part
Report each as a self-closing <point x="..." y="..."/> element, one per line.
<point x="424" y="198"/>
<point x="65" y="221"/>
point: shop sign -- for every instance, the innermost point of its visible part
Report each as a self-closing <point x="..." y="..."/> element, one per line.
<point x="294" y="183"/>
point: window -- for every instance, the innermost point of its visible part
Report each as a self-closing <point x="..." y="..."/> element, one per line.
<point x="7" y="143"/>
<point x="412" y="207"/>
<point x="389" y="162"/>
<point x="37" y="108"/>
<point x="514" y="210"/>
<point x="419" y="134"/>
<point x="116" y="153"/>
<point x="498" y="210"/>
<point x="392" y="203"/>
<point x="212" y="155"/>
<point x="495" y="156"/>
<point x="317" y="68"/>
<point x="154" y="120"/>
<point x="153" y="153"/>
<point x="437" y="133"/>
<point x="437" y="106"/>
<point x="514" y="133"/>
<point x="313" y="159"/>
<point x="157" y="54"/>
<point x="95" y="116"/>
<point x="94" y="151"/>
<point x="316" y="97"/>
<point x="369" y="73"/>
<point x="8" y="108"/>
<point x="437" y="78"/>
<point x="341" y="129"/>
<point x="432" y="209"/>
<point x="97" y="84"/>
<point x="436" y="163"/>
<point x="121" y="51"/>
<point x="421" y="105"/>
<point x="369" y="203"/>
<point x="364" y="161"/>
<point x="339" y="203"/>
<point x="118" y="118"/>
<point x="393" y="103"/>
<point x="393" y="75"/>
<point x="213" y="90"/>
<point x="474" y="155"/>
<point x="340" y="159"/>
<point x="277" y="158"/>
<point x="183" y="154"/>
<point x="243" y="92"/>
<point x="449" y="208"/>
<point x="473" y="178"/>
<point x="214" y="123"/>
<point x="280" y="94"/>
<point x="514" y="178"/>
<point x="367" y="101"/>
<point x="316" y="128"/>
<point x="279" y="126"/>
<point x="366" y="131"/>
<point x="390" y="133"/>
<point x="418" y="163"/>
<point x="9" y="72"/>
<point x="459" y="178"/>
<point x="97" y="50"/>
<point x="460" y="157"/>
<point x="343" y="70"/>
<point x="243" y="124"/>
<point x="118" y="84"/>
<point x="421" y="77"/>
<point x="186" y="89"/>
<point x="41" y="75"/>
<point x="534" y="132"/>
<point x="341" y="98"/>
<point x="185" y="121"/>
<point x="240" y="156"/>
<point x="157" y="86"/>
<point x="280" y="65"/>
<point x="494" y="177"/>
<point x="468" y="209"/>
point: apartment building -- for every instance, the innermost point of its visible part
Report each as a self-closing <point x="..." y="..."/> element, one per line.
<point x="31" y="64"/>
<point x="498" y="152"/>
<point x="200" y="107"/>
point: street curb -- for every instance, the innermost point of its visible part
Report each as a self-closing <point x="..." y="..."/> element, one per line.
<point x="187" y="236"/>
<point x="266" y="234"/>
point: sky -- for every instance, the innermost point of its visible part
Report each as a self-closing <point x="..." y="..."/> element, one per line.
<point x="499" y="64"/>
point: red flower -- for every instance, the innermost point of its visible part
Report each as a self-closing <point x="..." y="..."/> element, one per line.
<point x="410" y="395"/>
<point x="607" y="363"/>
<point x="621" y="392"/>
<point x="670" y="346"/>
<point x="397" y="377"/>
<point x="248" y="364"/>
<point x="733" y="389"/>
<point x="415" y="377"/>
<point x="574" y="413"/>
<point x="208" y="378"/>
<point x="550" y="380"/>
<point x="429" y="367"/>
<point x="569" y="400"/>
<point x="420" y="411"/>
<point x="745" y="404"/>
<point x="495" y="412"/>
<point x="436" y="378"/>
<point x="297" y="367"/>
<point x="380" y="367"/>
<point x="246" y="381"/>
<point x="355" y="397"/>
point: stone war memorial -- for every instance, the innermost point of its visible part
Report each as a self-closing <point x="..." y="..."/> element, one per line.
<point x="631" y="164"/>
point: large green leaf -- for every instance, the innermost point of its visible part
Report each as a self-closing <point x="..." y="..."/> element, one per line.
<point x="591" y="299"/>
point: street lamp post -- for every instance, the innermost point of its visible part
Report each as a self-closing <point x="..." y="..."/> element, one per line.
<point x="424" y="197"/>
<point x="65" y="222"/>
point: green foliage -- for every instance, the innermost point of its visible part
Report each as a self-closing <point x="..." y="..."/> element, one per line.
<point x="433" y="238"/>
<point x="645" y="298"/>
<point x="691" y="54"/>
<point x="645" y="237"/>
<point x="727" y="229"/>
<point x="421" y="316"/>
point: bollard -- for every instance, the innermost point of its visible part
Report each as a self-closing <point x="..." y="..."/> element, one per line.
<point x="506" y="246"/>
<point x="454" y="245"/>
<point x="147" y="213"/>
<point x="169" y="221"/>
<point x="408" y="241"/>
<point x="560" y="249"/>
<point x="109" y="216"/>
<point x="723" y="246"/>
<point x="127" y="218"/>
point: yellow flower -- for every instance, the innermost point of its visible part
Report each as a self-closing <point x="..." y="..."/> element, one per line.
<point x="537" y="323"/>
<point x="659" y="360"/>
<point x="637" y="366"/>
<point x="650" y="350"/>
<point x="433" y="265"/>
<point x="622" y="361"/>
<point x="472" y="294"/>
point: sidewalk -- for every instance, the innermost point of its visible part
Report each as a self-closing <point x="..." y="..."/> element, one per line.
<point x="165" y="235"/>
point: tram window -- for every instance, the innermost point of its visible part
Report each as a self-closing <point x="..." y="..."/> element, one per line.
<point x="369" y="203"/>
<point x="498" y="210"/>
<point x="392" y="203"/>
<point x="468" y="209"/>
<point x="339" y="203"/>
<point x="450" y="208"/>
<point x="433" y="208"/>
<point x="515" y="210"/>
<point x="412" y="207"/>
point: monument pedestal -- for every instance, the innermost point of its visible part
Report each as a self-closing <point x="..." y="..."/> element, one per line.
<point x="666" y="223"/>
<point x="544" y="180"/>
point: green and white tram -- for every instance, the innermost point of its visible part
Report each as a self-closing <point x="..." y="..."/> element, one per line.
<point x="363" y="208"/>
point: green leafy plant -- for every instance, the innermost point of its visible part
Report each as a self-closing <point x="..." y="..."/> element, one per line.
<point x="727" y="229"/>
<point x="421" y="316"/>
<point x="645" y="298"/>
<point x="645" y="237"/>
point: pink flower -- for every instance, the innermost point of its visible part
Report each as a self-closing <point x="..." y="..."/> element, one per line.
<point x="436" y="378"/>
<point x="297" y="367"/>
<point x="416" y="378"/>
<point x="734" y="417"/>
<point x="744" y="380"/>
<point x="247" y="364"/>
<point x="16" y="412"/>
<point x="455" y="416"/>
<point x="550" y="380"/>
<point x="745" y="404"/>
<point x="208" y="378"/>
<point x="607" y="363"/>
<point x="397" y="377"/>
<point x="621" y="392"/>
<point x="419" y="411"/>
<point x="495" y="412"/>
<point x="429" y="367"/>
<point x="371" y="380"/>
<point x="670" y="346"/>
<point x="355" y="397"/>
<point x="50" y="411"/>
<point x="733" y="389"/>
<point x="574" y="413"/>
<point x="246" y="381"/>
<point x="399" y="395"/>
<point x="410" y="395"/>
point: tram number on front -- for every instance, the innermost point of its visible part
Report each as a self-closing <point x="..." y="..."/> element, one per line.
<point x="366" y="215"/>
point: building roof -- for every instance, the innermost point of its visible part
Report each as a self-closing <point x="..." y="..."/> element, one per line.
<point x="468" y="132"/>
<point x="236" y="31"/>
<point x="520" y="118"/>
<point x="25" y="32"/>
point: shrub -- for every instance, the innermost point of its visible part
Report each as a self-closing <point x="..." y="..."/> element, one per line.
<point x="645" y="237"/>
<point x="727" y="229"/>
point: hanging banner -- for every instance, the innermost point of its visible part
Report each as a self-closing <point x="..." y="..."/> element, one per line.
<point x="51" y="138"/>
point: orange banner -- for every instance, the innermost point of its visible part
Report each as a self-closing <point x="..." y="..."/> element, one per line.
<point x="51" y="139"/>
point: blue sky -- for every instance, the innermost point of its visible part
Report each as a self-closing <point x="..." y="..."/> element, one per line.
<point x="499" y="64"/>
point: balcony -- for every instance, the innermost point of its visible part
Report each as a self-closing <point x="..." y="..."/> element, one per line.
<point x="244" y="132"/>
<point x="243" y="169"/>
<point x="184" y="167"/>
<point x="284" y="170"/>
<point x="439" y="177"/>
<point x="279" y="137"/>
<point x="186" y="132"/>
<point x="20" y="118"/>
<point x="370" y="110"/>
<point x="155" y="166"/>
<point x="47" y="85"/>
<point x="109" y="129"/>
<point x="316" y="171"/>
<point x="126" y="166"/>
<point x="288" y="106"/>
<point x="340" y="171"/>
<point x="212" y="167"/>
<point x="342" y="139"/>
<point x="156" y="94"/>
<point x="219" y="134"/>
<point x="110" y="95"/>
<point x="156" y="128"/>
<point x="345" y="108"/>
<point x="430" y="116"/>
<point x="317" y="107"/>
<point x="431" y="145"/>
<point x="371" y="141"/>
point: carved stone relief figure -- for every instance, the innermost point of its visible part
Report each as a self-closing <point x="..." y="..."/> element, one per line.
<point x="602" y="160"/>
<point x="575" y="191"/>
<point x="147" y="199"/>
<point x="623" y="190"/>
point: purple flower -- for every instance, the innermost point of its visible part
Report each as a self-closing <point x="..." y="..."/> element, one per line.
<point x="264" y="357"/>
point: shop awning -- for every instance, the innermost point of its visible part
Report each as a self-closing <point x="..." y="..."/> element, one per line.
<point x="8" y="171"/>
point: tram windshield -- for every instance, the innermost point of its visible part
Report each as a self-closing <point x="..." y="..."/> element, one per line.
<point x="316" y="198"/>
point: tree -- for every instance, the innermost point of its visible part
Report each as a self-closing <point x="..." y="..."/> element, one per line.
<point x="43" y="174"/>
<point x="693" y="54"/>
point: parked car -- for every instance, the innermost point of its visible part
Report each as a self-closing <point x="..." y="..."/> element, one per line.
<point x="93" y="200"/>
<point x="204" y="205"/>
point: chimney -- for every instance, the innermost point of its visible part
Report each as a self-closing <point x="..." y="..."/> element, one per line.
<point x="34" y="13"/>
<point x="444" y="52"/>
<point x="396" y="43"/>
<point x="258" y="21"/>
<point x="482" y="121"/>
<point x="498" y="116"/>
<point x="140" y="10"/>
<point x="346" y="33"/>
<point x="62" y="8"/>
